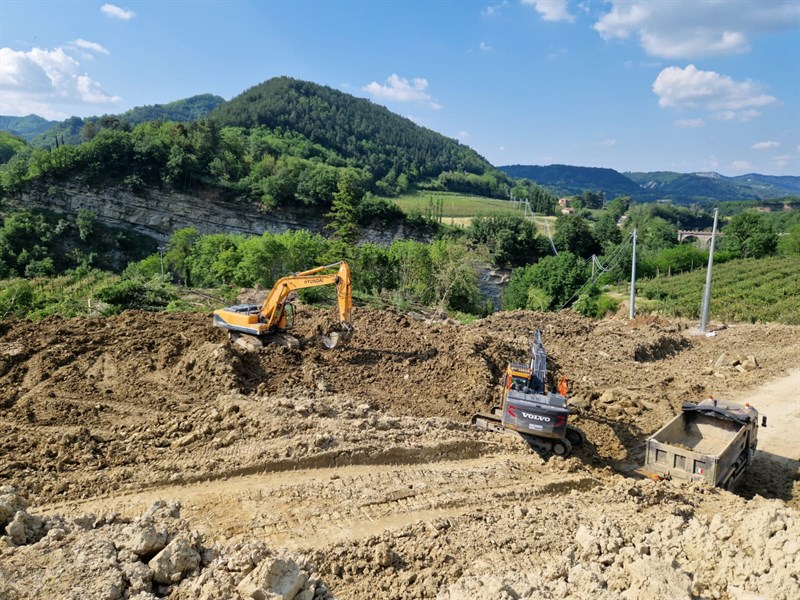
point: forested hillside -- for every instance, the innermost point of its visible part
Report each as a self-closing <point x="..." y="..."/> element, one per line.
<point x="75" y="130"/>
<point x="566" y="180"/>
<point x="700" y="187"/>
<point x="394" y="149"/>
<point x="27" y="127"/>
<point x="683" y="188"/>
<point x="284" y="142"/>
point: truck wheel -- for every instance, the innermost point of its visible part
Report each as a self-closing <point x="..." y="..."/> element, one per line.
<point x="562" y="448"/>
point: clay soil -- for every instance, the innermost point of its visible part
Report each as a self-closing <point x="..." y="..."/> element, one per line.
<point x="144" y="456"/>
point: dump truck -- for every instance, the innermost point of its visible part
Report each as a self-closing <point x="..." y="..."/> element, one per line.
<point x="712" y="441"/>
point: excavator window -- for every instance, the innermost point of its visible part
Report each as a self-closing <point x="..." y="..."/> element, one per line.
<point x="288" y="311"/>
<point x="517" y="383"/>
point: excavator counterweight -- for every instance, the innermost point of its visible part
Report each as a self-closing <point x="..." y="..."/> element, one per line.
<point x="252" y="326"/>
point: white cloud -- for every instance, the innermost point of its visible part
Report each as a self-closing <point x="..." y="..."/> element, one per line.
<point x="494" y="9"/>
<point x="741" y="165"/>
<point x="462" y="135"/>
<point x="765" y="145"/>
<point x="726" y="98"/>
<point x="696" y="29"/>
<point x="607" y="142"/>
<point x="690" y="123"/>
<point x="732" y="115"/>
<point x="782" y="160"/>
<point x="551" y="10"/>
<point x="49" y="83"/>
<point x="485" y="47"/>
<point x="91" y="46"/>
<point x="399" y="89"/>
<point x="115" y="12"/>
<point x="712" y="162"/>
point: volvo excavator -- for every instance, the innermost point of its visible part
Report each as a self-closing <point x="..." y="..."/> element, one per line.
<point x="540" y="417"/>
<point x="252" y="326"/>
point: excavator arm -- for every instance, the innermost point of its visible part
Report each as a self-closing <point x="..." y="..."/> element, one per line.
<point x="272" y="317"/>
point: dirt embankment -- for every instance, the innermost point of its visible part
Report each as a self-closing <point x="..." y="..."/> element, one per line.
<point x="354" y="473"/>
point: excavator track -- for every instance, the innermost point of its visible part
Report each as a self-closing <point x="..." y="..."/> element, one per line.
<point x="560" y="447"/>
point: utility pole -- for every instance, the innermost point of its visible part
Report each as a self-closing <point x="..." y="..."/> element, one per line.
<point x="633" y="277"/>
<point x="707" y="292"/>
<point x="161" y="252"/>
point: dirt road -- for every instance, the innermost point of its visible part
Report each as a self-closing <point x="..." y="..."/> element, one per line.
<point x="779" y="400"/>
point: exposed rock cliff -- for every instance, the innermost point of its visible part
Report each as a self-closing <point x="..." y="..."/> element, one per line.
<point x="158" y="213"/>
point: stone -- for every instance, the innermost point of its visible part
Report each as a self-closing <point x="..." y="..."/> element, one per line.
<point x="178" y="559"/>
<point x="142" y="539"/>
<point x="273" y="578"/>
<point x="25" y="528"/>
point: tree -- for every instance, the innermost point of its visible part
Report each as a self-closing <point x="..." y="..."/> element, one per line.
<point x="85" y="220"/>
<point x="454" y="270"/>
<point x="510" y="239"/>
<point x="658" y="234"/>
<point x="179" y="253"/>
<point x="606" y="231"/>
<point x="344" y="210"/>
<point x="790" y="243"/>
<point x="749" y="235"/>
<point x="553" y="277"/>
<point x="574" y="235"/>
<point x="414" y="271"/>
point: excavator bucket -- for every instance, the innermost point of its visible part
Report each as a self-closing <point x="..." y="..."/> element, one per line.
<point x="334" y="338"/>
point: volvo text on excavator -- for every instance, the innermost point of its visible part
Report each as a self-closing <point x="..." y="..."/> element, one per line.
<point x="539" y="417"/>
<point x="253" y="326"/>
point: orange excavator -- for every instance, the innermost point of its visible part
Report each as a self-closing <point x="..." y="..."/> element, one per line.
<point x="252" y="326"/>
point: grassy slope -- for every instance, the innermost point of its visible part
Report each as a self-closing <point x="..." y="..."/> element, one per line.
<point x="767" y="289"/>
<point x="454" y="204"/>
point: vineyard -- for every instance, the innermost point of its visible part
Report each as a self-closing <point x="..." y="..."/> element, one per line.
<point x="760" y="290"/>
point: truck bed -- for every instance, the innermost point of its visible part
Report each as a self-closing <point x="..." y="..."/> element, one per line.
<point x="705" y="435"/>
<point x="696" y="446"/>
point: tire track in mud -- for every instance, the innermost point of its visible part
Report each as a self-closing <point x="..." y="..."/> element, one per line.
<point x="315" y="507"/>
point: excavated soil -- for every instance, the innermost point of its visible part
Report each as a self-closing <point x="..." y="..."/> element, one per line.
<point x="144" y="456"/>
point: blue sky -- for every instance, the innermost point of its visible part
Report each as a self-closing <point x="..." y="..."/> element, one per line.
<point x="635" y="86"/>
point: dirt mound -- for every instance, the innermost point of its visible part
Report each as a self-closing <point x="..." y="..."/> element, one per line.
<point x="622" y="540"/>
<point x="153" y="556"/>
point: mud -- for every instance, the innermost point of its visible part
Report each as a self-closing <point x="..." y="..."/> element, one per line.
<point x="354" y="472"/>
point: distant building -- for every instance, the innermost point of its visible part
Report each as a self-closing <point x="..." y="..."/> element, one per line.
<point x="564" y="202"/>
<point x="567" y="211"/>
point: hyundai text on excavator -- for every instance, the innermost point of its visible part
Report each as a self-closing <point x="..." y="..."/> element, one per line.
<point x="539" y="417"/>
<point x="252" y="325"/>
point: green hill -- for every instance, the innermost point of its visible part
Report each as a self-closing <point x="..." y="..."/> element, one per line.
<point x="361" y="132"/>
<point x="699" y="187"/>
<point x="566" y="180"/>
<point x="9" y="146"/>
<point x="26" y="127"/>
<point x="182" y="111"/>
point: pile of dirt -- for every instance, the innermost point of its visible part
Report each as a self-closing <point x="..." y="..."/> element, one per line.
<point x="153" y="556"/>
<point x="622" y="540"/>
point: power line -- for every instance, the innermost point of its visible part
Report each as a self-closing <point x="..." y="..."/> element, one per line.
<point x="616" y="255"/>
